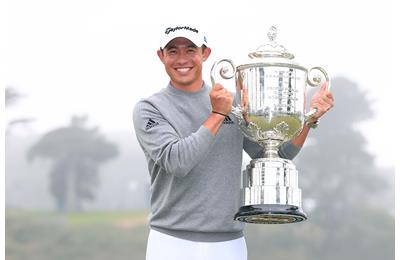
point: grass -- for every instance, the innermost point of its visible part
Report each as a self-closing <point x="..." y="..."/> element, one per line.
<point x="119" y="235"/>
<point x="97" y="235"/>
<point x="108" y="218"/>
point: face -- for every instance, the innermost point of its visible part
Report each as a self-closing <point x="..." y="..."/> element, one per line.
<point x="183" y="63"/>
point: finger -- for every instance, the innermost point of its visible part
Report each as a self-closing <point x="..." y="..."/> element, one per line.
<point x="323" y="107"/>
<point x="320" y="112"/>
<point x="323" y="87"/>
<point x="329" y="95"/>
<point x="320" y="109"/>
<point x="220" y="93"/>
<point x="245" y="93"/>
<point x="328" y="99"/>
<point x="224" y="95"/>
<point x="217" y="86"/>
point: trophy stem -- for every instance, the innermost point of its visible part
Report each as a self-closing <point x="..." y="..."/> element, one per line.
<point x="271" y="148"/>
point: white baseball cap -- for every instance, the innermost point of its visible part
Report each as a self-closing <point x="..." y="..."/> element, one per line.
<point x="191" y="33"/>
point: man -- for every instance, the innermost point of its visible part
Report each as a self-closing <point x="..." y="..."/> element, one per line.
<point x="193" y="147"/>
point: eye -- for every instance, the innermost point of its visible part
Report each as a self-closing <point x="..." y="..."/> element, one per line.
<point x="171" y="53"/>
<point x="191" y="50"/>
<point x="171" y="50"/>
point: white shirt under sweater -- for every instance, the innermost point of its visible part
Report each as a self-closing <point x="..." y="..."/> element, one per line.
<point x="195" y="176"/>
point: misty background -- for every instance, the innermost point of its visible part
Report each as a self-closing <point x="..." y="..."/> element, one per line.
<point x="76" y="180"/>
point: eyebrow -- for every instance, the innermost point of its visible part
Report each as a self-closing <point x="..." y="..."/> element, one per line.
<point x="176" y="46"/>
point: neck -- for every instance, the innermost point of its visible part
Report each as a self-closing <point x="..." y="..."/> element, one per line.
<point x="194" y="87"/>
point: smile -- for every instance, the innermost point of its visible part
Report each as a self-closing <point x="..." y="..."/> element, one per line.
<point x="183" y="70"/>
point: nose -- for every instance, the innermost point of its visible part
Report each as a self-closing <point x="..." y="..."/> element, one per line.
<point x="182" y="56"/>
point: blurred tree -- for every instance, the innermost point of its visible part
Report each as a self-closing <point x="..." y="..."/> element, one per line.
<point x="76" y="152"/>
<point x="337" y="163"/>
<point x="339" y="175"/>
<point x="12" y="96"/>
<point x="340" y="184"/>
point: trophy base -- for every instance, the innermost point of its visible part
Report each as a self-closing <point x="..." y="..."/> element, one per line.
<point x="270" y="214"/>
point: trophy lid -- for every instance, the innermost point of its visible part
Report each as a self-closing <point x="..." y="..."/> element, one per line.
<point x="272" y="49"/>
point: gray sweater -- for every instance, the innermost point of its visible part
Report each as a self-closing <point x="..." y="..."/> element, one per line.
<point x="195" y="176"/>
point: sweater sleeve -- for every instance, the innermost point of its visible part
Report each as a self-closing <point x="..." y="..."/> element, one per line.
<point x="253" y="149"/>
<point x="162" y="143"/>
<point x="287" y="150"/>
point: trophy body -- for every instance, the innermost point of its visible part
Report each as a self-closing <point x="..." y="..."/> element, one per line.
<point x="274" y="114"/>
<point x="270" y="94"/>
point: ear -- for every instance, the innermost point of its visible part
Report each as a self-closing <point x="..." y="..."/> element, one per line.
<point x="160" y="55"/>
<point x="206" y="53"/>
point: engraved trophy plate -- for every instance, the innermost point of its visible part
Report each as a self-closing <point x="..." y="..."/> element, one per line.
<point x="270" y="94"/>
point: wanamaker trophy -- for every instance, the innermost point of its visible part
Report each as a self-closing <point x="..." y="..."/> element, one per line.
<point x="271" y="100"/>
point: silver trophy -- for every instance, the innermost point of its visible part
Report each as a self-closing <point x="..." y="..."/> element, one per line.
<point x="271" y="99"/>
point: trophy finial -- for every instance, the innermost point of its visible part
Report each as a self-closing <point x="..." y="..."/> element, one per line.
<point x="272" y="33"/>
<point x="272" y="48"/>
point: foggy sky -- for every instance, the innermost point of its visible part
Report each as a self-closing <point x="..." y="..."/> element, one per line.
<point x="99" y="57"/>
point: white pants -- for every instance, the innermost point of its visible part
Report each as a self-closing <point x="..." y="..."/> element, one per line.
<point x="164" y="247"/>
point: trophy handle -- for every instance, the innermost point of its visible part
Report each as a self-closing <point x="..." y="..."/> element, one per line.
<point x="314" y="79"/>
<point x="225" y="72"/>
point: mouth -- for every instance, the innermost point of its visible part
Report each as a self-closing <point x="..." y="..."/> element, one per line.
<point x="183" y="70"/>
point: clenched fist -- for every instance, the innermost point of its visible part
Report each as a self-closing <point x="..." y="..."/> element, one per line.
<point x="221" y="99"/>
<point x="322" y="100"/>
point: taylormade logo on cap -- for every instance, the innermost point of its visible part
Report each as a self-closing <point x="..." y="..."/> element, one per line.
<point x="169" y="29"/>
<point x="190" y="33"/>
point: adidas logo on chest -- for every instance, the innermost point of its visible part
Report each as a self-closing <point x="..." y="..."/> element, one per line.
<point x="228" y="121"/>
<point x="151" y="123"/>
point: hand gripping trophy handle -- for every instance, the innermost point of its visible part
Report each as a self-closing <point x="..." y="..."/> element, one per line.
<point x="226" y="72"/>
<point x="314" y="79"/>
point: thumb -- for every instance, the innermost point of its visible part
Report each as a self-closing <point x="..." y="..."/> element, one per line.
<point x="323" y="87"/>
<point x="217" y="86"/>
